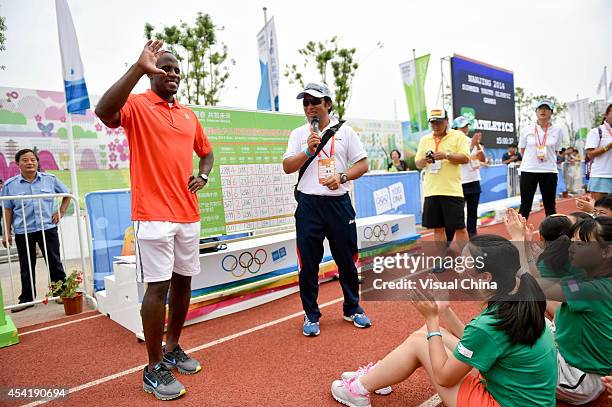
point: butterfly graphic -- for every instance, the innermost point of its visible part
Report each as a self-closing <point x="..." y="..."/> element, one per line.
<point x="45" y="129"/>
<point x="11" y="95"/>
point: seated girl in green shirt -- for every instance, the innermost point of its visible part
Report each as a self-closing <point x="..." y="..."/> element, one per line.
<point x="583" y="322"/>
<point x="508" y="343"/>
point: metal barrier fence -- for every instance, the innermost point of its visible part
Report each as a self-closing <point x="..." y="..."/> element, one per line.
<point x="572" y="175"/>
<point x="570" y="178"/>
<point x="514" y="180"/>
<point x="28" y="201"/>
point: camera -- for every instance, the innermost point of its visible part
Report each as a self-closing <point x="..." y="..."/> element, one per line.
<point x="429" y="155"/>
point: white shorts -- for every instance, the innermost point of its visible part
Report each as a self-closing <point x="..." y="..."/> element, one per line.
<point x="163" y="248"/>
<point x="575" y="386"/>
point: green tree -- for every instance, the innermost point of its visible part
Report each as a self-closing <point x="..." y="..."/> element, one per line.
<point x="203" y="59"/>
<point x="597" y="112"/>
<point x="323" y="56"/>
<point x="522" y="105"/>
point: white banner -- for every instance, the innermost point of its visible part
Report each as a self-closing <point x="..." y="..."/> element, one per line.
<point x="408" y="72"/>
<point x="77" y="100"/>
<point x="580" y="114"/>
<point x="602" y="82"/>
<point x="269" y="68"/>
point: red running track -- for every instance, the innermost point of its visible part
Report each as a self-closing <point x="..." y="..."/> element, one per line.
<point x="245" y="362"/>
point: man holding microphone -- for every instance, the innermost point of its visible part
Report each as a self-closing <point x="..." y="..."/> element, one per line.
<point x="324" y="207"/>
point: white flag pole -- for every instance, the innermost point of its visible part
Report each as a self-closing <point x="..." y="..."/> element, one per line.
<point x="606" y="83"/>
<point x="416" y="72"/>
<point x="267" y="37"/>
<point x="71" y="155"/>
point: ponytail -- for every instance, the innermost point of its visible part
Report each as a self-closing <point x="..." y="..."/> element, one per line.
<point x="521" y="315"/>
<point x="556" y="254"/>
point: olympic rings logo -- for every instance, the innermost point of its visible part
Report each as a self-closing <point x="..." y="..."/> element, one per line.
<point x="377" y="232"/>
<point x="246" y="261"/>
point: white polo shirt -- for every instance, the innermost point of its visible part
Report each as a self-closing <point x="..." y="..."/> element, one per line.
<point x="348" y="149"/>
<point x="470" y="172"/>
<point x="602" y="164"/>
<point x="527" y="140"/>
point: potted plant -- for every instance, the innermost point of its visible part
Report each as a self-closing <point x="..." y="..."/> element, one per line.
<point x="67" y="291"/>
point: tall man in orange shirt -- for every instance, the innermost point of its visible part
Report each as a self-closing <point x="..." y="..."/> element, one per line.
<point x="162" y="136"/>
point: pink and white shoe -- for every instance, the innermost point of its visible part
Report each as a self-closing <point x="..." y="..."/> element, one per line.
<point x="385" y="391"/>
<point x="343" y="393"/>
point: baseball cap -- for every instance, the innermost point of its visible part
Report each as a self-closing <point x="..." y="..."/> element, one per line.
<point x="316" y="90"/>
<point x="546" y="102"/>
<point x="437" y="114"/>
<point x="460" y="122"/>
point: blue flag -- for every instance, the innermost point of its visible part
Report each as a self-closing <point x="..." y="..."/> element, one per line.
<point x="77" y="100"/>
<point x="268" y="65"/>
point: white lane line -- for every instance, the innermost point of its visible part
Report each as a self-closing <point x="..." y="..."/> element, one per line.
<point x="74" y="321"/>
<point x="433" y="401"/>
<point x="197" y="348"/>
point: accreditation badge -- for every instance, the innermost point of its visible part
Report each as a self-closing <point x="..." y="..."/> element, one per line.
<point x="327" y="168"/>
<point x="541" y="153"/>
<point x="435" y="167"/>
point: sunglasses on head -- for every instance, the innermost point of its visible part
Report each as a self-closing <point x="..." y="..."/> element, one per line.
<point x="313" y="102"/>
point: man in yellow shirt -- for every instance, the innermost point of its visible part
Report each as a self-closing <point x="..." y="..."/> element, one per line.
<point x="440" y="154"/>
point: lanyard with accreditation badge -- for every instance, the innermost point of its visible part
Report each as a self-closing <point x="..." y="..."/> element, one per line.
<point x="541" y="147"/>
<point x="327" y="166"/>
<point x="437" y="165"/>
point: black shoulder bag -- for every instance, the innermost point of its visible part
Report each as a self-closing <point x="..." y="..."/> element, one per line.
<point x="328" y="134"/>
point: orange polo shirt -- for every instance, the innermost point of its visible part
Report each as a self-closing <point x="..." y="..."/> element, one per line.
<point x="162" y="141"/>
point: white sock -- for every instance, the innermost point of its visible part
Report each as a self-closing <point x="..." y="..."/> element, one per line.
<point x="357" y="387"/>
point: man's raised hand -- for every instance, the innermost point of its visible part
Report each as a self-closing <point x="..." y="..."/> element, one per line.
<point x="148" y="58"/>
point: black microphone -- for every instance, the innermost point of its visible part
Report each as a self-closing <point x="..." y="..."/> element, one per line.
<point x="315" y="124"/>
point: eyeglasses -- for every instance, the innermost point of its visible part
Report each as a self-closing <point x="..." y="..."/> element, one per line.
<point x="313" y="102"/>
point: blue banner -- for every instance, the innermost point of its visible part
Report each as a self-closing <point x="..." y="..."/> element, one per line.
<point x="494" y="183"/>
<point x="388" y="194"/>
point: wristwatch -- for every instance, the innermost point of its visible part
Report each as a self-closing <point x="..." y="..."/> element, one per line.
<point x="343" y="178"/>
<point x="204" y="177"/>
<point x="447" y="154"/>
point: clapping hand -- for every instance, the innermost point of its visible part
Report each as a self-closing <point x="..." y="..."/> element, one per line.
<point x="428" y="307"/>
<point x="516" y="225"/>
<point x="586" y="204"/>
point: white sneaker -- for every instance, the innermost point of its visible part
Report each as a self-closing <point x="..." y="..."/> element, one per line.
<point x="385" y="391"/>
<point x="342" y="393"/>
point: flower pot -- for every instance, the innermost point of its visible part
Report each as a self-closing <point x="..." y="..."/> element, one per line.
<point x="73" y="305"/>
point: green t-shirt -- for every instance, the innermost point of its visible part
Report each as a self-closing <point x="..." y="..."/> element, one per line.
<point x="584" y="325"/>
<point x="516" y="375"/>
<point x="566" y="270"/>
